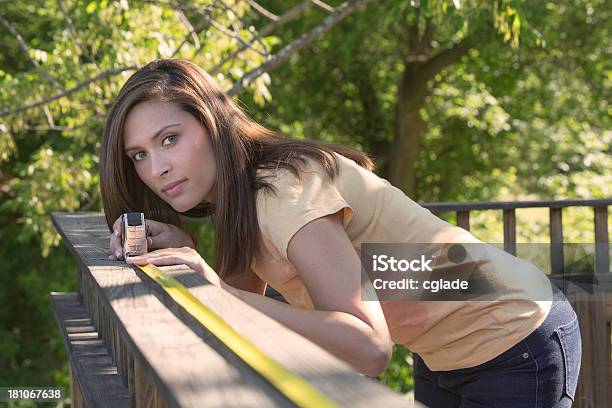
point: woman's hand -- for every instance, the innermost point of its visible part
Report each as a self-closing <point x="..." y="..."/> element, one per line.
<point x="159" y="235"/>
<point x="178" y="256"/>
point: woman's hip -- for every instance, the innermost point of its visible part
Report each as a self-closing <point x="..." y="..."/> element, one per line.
<point x="539" y="371"/>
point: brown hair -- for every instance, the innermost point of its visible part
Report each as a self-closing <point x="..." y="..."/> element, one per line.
<point x="240" y="147"/>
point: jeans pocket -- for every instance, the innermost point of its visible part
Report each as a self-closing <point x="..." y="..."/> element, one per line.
<point x="571" y="348"/>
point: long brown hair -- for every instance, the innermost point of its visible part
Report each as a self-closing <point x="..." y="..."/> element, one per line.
<point x="240" y="147"/>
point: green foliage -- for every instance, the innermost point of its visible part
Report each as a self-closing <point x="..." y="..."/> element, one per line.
<point x="523" y="114"/>
<point x="48" y="155"/>
<point x="399" y="374"/>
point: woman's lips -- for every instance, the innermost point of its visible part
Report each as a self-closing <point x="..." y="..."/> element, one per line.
<point x="176" y="190"/>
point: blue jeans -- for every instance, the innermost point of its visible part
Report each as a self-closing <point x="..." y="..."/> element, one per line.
<point x="540" y="371"/>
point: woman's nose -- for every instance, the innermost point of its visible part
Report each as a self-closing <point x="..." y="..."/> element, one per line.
<point x="159" y="165"/>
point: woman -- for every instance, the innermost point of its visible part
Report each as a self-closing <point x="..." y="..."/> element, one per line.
<point x="294" y="214"/>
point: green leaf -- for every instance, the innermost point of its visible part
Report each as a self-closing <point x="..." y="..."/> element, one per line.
<point x="91" y="7"/>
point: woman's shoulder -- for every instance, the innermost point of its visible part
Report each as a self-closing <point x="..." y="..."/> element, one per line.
<point x="293" y="200"/>
<point x="344" y="175"/>
<point x="304" y="164"/>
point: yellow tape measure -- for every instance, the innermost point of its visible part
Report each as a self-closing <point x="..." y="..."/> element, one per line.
<point x="291" y="385"/>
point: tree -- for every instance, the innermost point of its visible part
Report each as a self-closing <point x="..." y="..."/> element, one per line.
<point x="450" y="100"/>
<point x="61" y="65"/>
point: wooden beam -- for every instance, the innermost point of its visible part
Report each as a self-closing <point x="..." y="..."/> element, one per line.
<point x="184" y="363"/>
<point x="506" y="205"/>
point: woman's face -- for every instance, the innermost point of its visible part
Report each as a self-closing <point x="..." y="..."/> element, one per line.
<point x="168" y="146"/>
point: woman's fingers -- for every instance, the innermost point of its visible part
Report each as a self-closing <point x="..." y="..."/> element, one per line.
<point x="165" y="256"/>
<point x="115" y="240"/>
<point x="146" y="257"/>
<point x="155" y="227"/>
<point x="156" y="260"/>
<point x="117" y="224"/>
<point x="159" y="236"/>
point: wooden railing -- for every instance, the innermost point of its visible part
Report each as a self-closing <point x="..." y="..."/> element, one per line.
<point x="132" y="345"/>
<point x="591" y="296"/>
<point x="600" y="221"/>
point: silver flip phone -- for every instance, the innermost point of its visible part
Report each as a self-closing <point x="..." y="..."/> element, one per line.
<point x="134" y="237"/>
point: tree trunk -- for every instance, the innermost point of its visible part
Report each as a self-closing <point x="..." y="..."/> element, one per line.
<point x="409" y="128"/>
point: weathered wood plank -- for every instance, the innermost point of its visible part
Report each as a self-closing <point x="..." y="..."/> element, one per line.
<point x="593" y="305"/>
<point x="594" y="379"/>
<point x="179" y="357"/>
<point x="602" y="248"/>
<point x="506" y="205"/>
<point x="76" y="399"/>
<point x="556" y="241"/>
<point x="147" y="395"/>
<point x="509" y="231"/>
<point x="326" y="373"/>
<point x="463" y="220"/>
<point x="601" y="349"/>
<point x="609" y="354"/>
<point x="98" y="384"/>
<point x="185" y="370"/>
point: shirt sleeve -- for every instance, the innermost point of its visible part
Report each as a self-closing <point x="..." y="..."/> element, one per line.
<point x="298" y="201"/>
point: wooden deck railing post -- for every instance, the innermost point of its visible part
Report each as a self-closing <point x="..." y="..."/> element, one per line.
<point x="602" y="250"/>
<point x="509" y="231"/>
<point x="556" y="241"/>
<point x="463" y="220"/>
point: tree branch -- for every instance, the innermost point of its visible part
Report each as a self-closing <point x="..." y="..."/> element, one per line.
<point x="323" y="5"/>
<point x="477" y="37"/>
<point x="196" y="31"/>
<point x="234" y="36"/>
<point x="74" y="34"/>
<point x="254" y="38"/>
<point x="284" y="18"/>
<point x="67" y="92"/>
<point x="267" y="29"/>
<point x="443" y="59"/>
<point x="340" y="13"/>
<point x="26" y="50"/>
<point x="262" y="10"/>
<point x="191" y="31"/>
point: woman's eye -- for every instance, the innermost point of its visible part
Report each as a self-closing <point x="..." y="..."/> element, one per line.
<point x="137" y="156"/>
<point x="168" y="140"/>
<point x="171" y="138"/>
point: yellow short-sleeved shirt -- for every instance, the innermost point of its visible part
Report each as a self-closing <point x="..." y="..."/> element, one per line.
<point x="448" y="335"/>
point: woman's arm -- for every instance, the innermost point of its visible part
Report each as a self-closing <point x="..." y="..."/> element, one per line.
<point x="351" y="329"/>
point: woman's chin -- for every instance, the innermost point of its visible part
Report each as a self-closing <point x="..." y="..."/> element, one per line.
<point x="181" y="207"/>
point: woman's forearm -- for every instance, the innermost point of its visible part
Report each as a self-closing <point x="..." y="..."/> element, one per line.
<point x="342" y="334"/>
